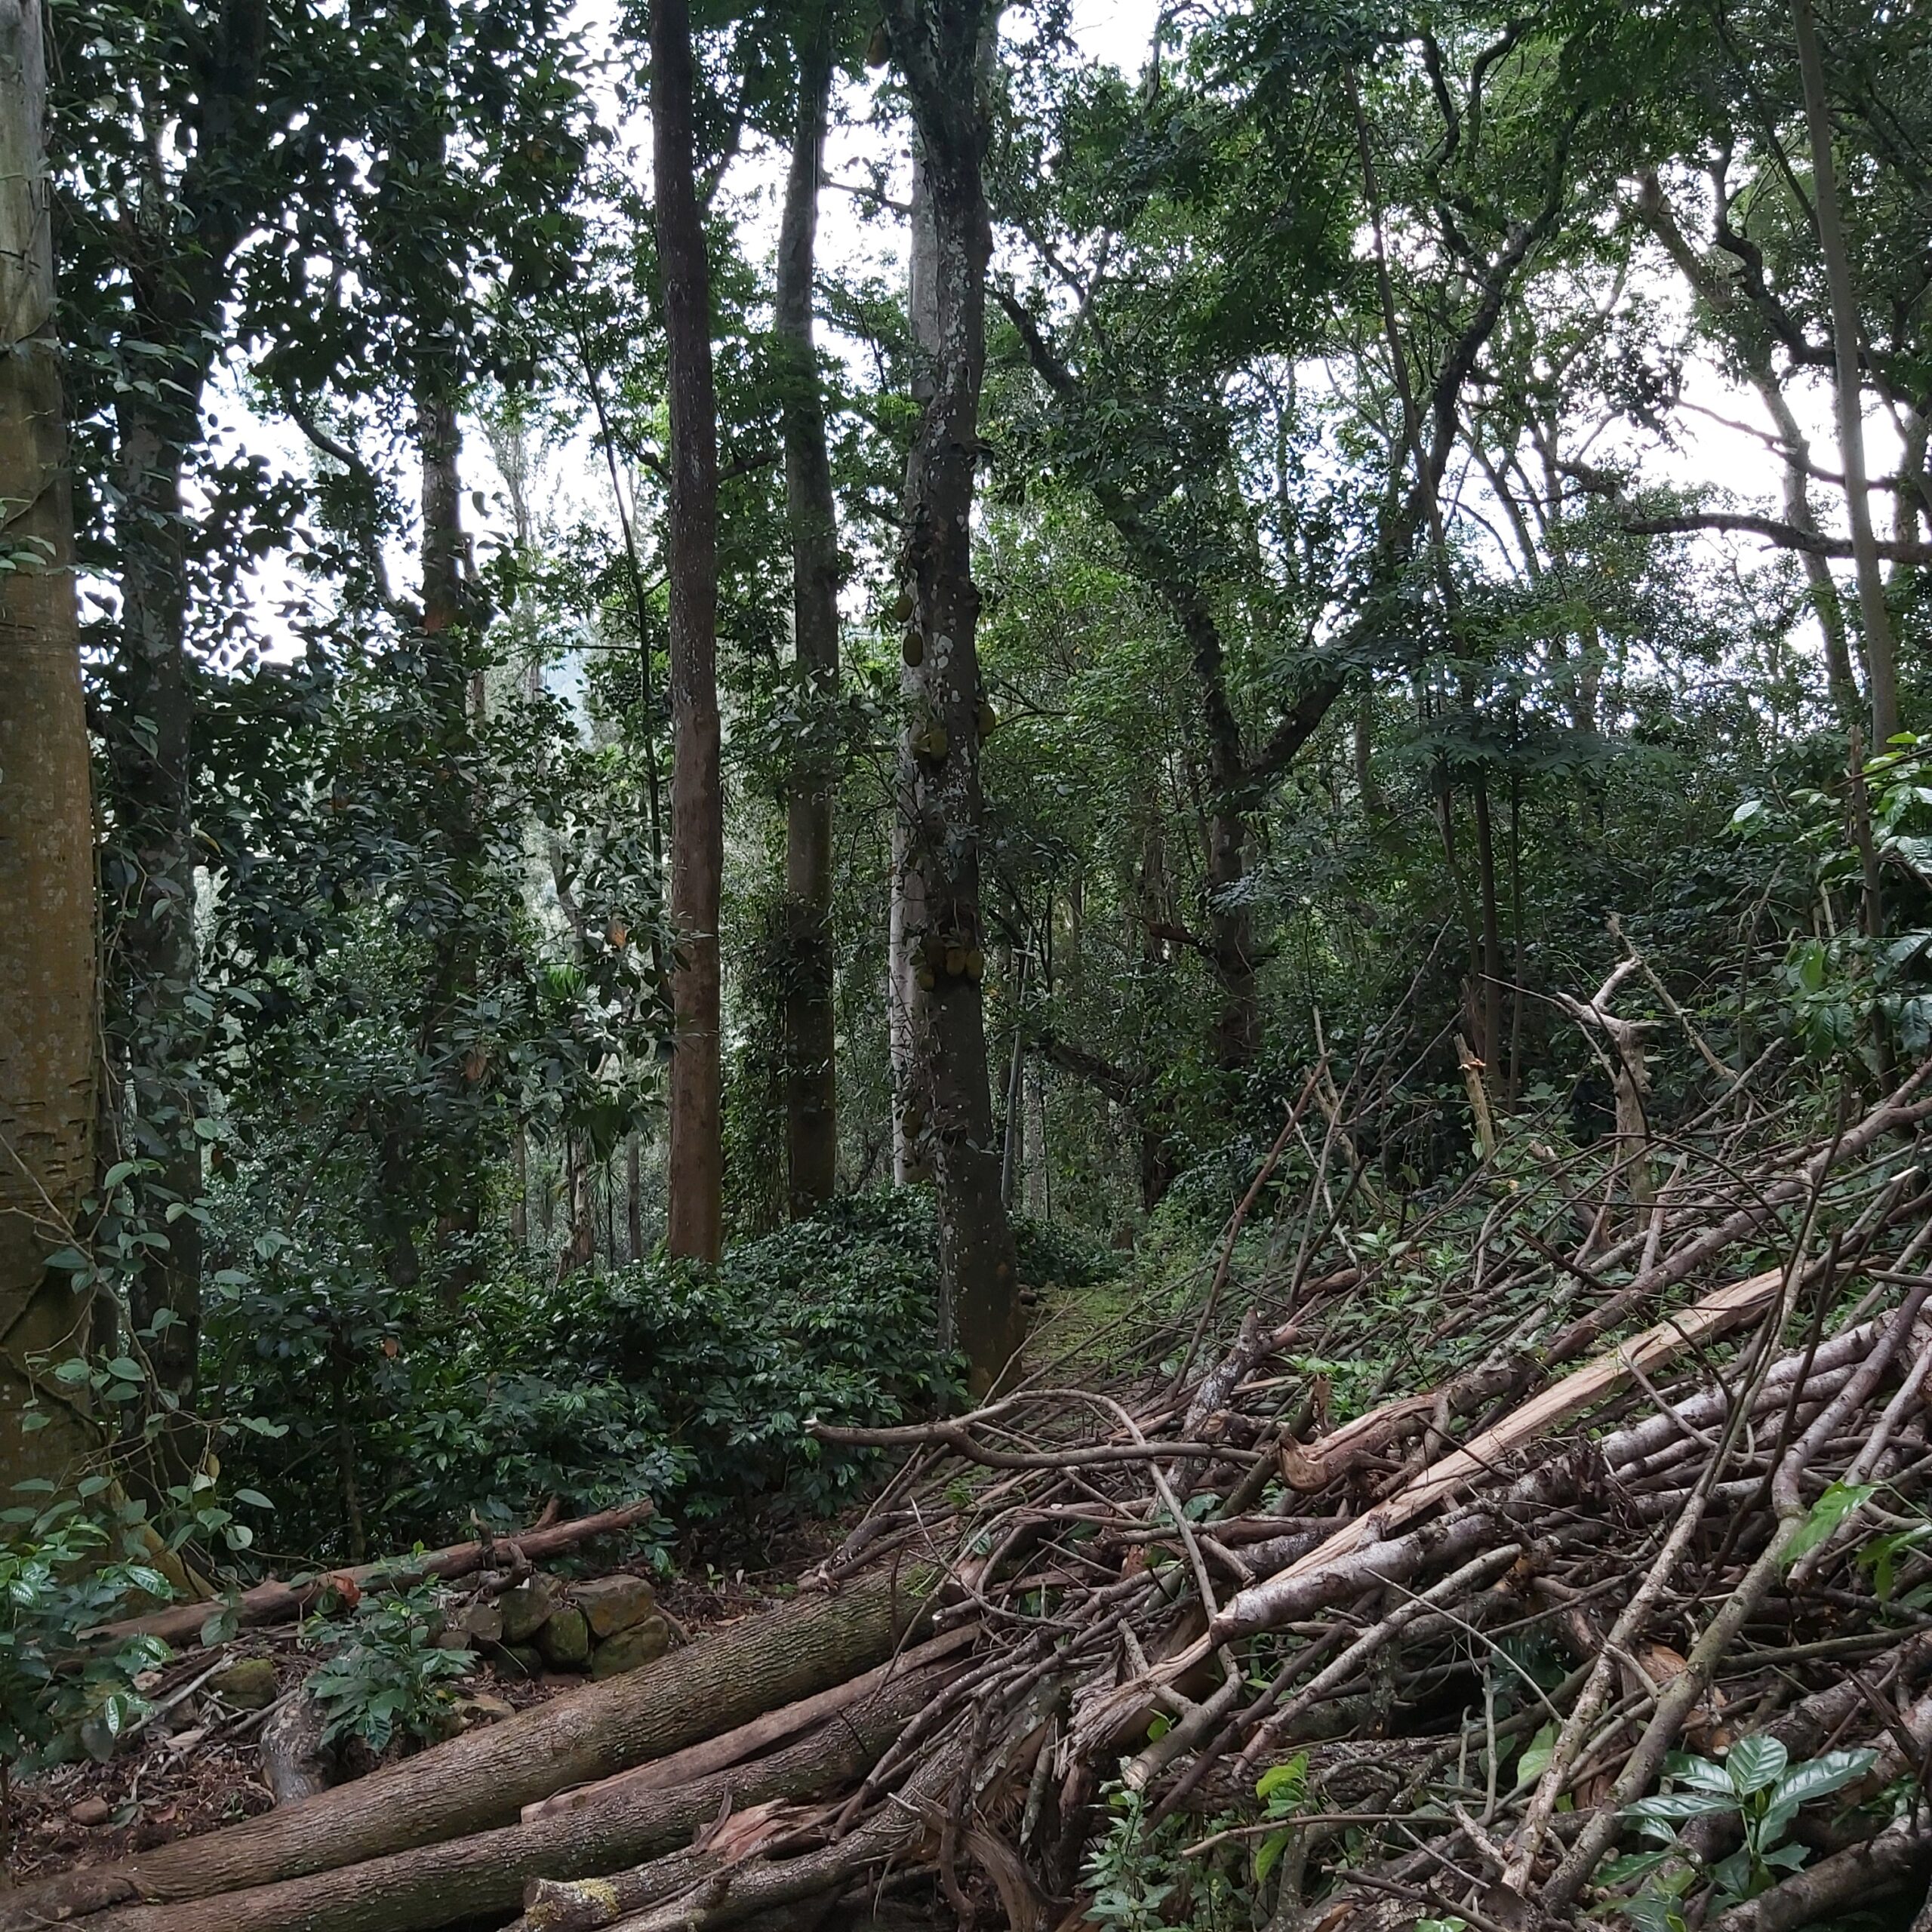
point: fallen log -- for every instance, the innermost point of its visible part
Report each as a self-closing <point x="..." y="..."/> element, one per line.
<point x="485" y="1778"/>
<point x="748" y="1740"/>
<point x="740" y="1891"/>
<point x="1895" y="1861"/>
<point x="487" y="1872"/>
<point x="275" y="1601"/>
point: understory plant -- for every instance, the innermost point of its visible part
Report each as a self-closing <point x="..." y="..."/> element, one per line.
<point x="402" y="1416"/>
<point x="1756" y="1783"/>
<point x="64" y="1566"/>
<point x="384" y="1677"/>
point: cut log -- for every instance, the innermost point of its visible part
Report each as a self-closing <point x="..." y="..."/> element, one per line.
<point x="1560" y="1402"/>
<point x="276" y="1602"/>
<point x="896" y="1829"/>
<point x="490" y="1872"/>
<point x="486" y="1777"/>
<point x="294" y="1762"/>
<point x="748" y="1740"/>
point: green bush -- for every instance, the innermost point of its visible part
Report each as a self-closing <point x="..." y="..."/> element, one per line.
<point x="58" y="1576"/>
<point x="384" y="1677"/>
<point x="1053" y="1252"/>
<point x="693" y="1385"/>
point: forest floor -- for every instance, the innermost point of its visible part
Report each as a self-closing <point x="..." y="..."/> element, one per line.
<point x="199" y="1766"/>
<point x="1343" y="1572"/>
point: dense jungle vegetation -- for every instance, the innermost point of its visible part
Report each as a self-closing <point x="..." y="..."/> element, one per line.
<point x="707" y="716"/>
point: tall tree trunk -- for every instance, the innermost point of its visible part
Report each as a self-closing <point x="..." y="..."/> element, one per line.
<point x="449" y="614"/>
<point x="696" y="1218"/>
<point x="909" y="1015"/>
<point x="1880" y="655"/>
<point x="580" y="1250"/>
<point x="811" y="1137"/>
<point x="633" y="1195"/>
<point x="939" y="45"/>
<point x="47" y="935"/>
<point x="150" y="878"/>
<point x="1491" y="1045"/>
<point x="179" y="271"/>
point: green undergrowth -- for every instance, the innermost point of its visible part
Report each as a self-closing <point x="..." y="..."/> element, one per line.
<point x="372" y="1417"/>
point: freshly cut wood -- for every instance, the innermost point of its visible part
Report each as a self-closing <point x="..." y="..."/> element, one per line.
<point x="485" y="1778"/>
<point x="275" y="1600"/>
<point x="1608" y="1373"/>
<point x="489" y="1872"/>
<point x="715" y="1754"/>
<point x="748" y="1890"/>
<point x="1263" y="1604"/>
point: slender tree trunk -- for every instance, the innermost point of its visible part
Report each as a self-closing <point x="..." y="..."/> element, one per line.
<point x="905" y="1006"/>
<point x="448" y="616"/>
<point x="47" y="934"/>
<point x="939" y="44"/>
<point x="1826" y="602"/>
<point x="1230" y="920"/>
<point x="1880" y="655"/>
<point x="1915" y="500"/>
<point x="150" y="879"/>
<point x="1013" y="1154"/>
<point x="634" y="1196"/>
<point x="1037" y="1175"/>
<point x="1512" y="1092"/>
<point x="520" y="1204"/>
<point x="696" y="1209"/>
<point x="908" y="1015"/>
<point x="1491" y="1048"/>
<point x="580" y="1244"/>
<point x="810" y="1075"/>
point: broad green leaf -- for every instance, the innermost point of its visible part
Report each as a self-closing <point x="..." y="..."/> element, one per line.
<point x="1268" y="1855"/>
<point x="1841" y="1500"/>
<point x="1817" y="1777"/>
<point x="1755" y="1763"/>
<point x="1536" y="1754"/>
<point x="1700" y="1773"/>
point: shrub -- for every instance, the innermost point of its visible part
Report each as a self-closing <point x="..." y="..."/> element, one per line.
<point x="54" y="1583"/>
<point x="694" y="1384"/>
<point x="384" y="1677"/>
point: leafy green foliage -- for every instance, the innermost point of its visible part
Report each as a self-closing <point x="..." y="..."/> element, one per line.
<point x="383" y="1678"/>
<point x="1755" y="1781"/>
<point x="63" y="1567"/>
<point x="658" y="1376"/>
<point x="1861" y="989"/>
<point x="1282" y="1791"/>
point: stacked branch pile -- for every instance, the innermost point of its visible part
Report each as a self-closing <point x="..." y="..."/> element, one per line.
<point x="1473" y="1532"/>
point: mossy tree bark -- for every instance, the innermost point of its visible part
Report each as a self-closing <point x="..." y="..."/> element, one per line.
<point x="810" y="1072"/>
<point x="939" y="44"/>
<point x="46" y="935"/>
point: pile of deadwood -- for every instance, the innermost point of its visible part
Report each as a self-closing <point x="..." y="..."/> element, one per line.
<point x="1474" y="1527"/>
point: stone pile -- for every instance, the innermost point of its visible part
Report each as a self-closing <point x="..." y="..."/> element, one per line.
<point x="605" y="1626"/>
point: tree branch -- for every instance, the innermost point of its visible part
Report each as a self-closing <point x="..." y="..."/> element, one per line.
<point x="1786" y="535"/>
